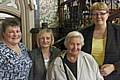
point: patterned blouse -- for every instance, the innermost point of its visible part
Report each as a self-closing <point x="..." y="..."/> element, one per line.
<point x="12" y="66"/>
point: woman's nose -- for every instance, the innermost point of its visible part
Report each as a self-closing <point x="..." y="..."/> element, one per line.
<point x="45" y="39"/>
<point x="15" y="33"/>
<point x="75" y="47"/>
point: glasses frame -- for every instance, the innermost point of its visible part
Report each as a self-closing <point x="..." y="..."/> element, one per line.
<point x="99" y="13"/>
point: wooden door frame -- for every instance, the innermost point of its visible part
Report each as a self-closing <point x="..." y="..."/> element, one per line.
<point x="26" y="15"/>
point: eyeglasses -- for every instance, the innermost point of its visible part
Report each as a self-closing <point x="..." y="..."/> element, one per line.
<point x="99" y="13"/>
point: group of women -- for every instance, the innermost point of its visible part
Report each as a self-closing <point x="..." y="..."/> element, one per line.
<point x="91" y="54"/>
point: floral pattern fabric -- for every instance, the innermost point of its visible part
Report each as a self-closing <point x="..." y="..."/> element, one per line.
<point x="12" y="66"/>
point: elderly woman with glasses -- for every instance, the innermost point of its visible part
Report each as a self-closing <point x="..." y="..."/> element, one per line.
<point x="74" y="64"/>
<point x="102" y="41"/>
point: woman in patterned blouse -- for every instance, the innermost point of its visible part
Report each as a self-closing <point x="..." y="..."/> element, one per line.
<point x="15" y="63"/>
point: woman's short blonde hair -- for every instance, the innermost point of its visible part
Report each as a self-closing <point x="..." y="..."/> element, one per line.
<point x="42" y="31"/>
<point x="99" y="6"/>
<point x="71" y="35"/>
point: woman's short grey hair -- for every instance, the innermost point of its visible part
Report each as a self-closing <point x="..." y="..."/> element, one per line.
<point x="71" y="35"/>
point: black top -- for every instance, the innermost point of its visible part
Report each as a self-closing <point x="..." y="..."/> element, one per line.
<point x="72" y="66"/>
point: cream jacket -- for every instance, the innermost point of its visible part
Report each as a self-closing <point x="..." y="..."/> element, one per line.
<point x="87" y="69"/>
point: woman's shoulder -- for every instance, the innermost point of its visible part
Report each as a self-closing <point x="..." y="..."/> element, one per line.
<point x="87" y="56"/>
<point x="87" y="29"/>
<point x="115" y="26"/>
<point x="84" y="53"/>
<point x="1" y="44"/>
<point x="89" y="59"/>
<point x="35" y="52"/>
<point x="54" y="48"/>
<point x="3" y="47"/>
<point x="58" y="59"/>
<point x="22" y="45"/>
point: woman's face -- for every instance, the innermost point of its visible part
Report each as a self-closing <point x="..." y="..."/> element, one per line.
<point x="74" y="46"/>
<point x="45" y="40"/>
<point x="12" y="35"/>
<point x="100" y="17"/>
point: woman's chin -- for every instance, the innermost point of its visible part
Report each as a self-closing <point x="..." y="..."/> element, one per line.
<point x="74" y="53"/>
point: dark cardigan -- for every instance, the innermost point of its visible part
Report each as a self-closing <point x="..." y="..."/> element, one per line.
<point x="38" y="71"/>
<point x="112" y="49"/>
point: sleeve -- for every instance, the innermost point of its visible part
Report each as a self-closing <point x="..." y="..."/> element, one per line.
<point x="56" y="71"/>
<point x="117" y="64"/>
<point x="2" y="60"/>
<point x="94" y="67"/>
<point x="31" y="73"/>
<point x="50" y="73"/>
<point x="98" y="75"/>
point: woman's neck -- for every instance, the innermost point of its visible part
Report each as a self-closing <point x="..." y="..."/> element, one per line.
<point x="14" y="47"/>
<point x="45" y="50"/>
<point x="71" y="58"/>
<point x="100" y="31"/>
<point x="101" y="27"/>
<point x="46" y="53"/>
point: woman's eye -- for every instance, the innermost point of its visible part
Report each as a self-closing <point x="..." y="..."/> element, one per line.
<point x="47" y="38"/>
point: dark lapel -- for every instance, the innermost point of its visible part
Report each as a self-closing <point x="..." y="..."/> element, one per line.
<point x="110" y="43"/>
<point x="40" y="59"/>
<point x="110" y="35"/>
<point x="88" y="35"/>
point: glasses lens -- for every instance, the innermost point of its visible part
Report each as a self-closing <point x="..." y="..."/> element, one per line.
<point x="99" y="13"/>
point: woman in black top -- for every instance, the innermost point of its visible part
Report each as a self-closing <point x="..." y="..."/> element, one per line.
<point x="108" y="36"/>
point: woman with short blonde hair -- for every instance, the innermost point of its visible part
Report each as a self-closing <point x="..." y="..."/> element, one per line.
<point x="102" y="41"/>
<point x="44" y="55"/>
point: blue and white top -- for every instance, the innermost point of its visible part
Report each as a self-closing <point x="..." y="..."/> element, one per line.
<point x="13" y="66"/>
